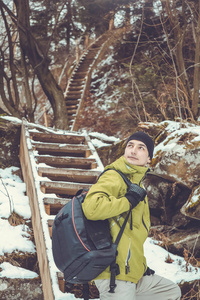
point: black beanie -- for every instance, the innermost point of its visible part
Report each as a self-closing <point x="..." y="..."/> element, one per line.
<point x="145" y="138"/>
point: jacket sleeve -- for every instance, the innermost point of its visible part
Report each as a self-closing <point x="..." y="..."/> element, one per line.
<point x="105" y="198"/>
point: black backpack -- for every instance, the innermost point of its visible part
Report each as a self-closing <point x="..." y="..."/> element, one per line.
<point x="83" y="249"/>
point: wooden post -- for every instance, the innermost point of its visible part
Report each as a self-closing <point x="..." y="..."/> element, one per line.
<point x="36" y="217"/>
<point x="86" y="41"/>
<point x="77" y="52"/>
<point x="45" y="117"/>
<point x="111" y="24"/>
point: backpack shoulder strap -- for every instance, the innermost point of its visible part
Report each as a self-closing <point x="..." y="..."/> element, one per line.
<point x="114" y="267"/>
<point x="126" y="180"/>
<point x="122" y="229"/>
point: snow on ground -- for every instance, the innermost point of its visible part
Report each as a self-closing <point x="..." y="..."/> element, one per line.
<point x="102" y="140"/>
<point x="16" y="272"/>
<point x="14" y="238"/>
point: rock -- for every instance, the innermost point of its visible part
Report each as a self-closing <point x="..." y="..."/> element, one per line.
<point x="186" y="241"/>
<point x="174" y="193"/>
<point x="9" y="143"/>
<point x="166" y="198"/>
<point x="111" y="153"/>
<point x="177" y="152"/>
<point x="184" y="168"/>
<point x="192" y="206"/>
<point x="15" y="289"/>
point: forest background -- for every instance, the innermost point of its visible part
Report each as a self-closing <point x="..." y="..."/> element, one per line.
<point x="155" y="66"/>
<point x="148" y="73"/>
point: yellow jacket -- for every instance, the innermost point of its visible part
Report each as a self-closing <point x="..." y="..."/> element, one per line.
<point x="105" y="200"/>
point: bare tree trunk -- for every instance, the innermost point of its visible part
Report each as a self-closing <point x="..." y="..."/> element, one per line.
<point x="40" y="64"/>
<point x="178" y="49"/>
<point x="29" y="109"/>
<point x="195" y="100"/>
<point x="14" y="101"/>
<point x="69" y="27"/>
<point x="10" y="108"/>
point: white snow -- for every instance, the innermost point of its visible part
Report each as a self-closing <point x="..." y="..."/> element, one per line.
<point x="175" y="132"/>
<point x="104" y="137"/>
<point x="14" y="238"/>
<point x="12" y="189"/>
<point x="175" y="271"/>
<point x="11" y="271"/>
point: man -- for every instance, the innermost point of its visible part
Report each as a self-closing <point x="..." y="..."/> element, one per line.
<point x="109" y="199"/>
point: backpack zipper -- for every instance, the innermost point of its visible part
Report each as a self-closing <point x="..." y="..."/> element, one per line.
<point x="75" y="226"/>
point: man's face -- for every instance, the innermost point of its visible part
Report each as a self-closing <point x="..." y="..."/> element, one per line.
<point x="136" y="153"/>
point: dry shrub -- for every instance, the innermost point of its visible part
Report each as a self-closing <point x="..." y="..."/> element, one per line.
<point x="168" y="259"/>
<point x="15" y="219"/>
<point x="191" y="292"/>
<point x="190" y="259"/>
<point x="162" y="239"/>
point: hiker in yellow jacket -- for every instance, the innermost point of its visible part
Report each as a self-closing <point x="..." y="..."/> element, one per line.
<point x="109" y="199"/>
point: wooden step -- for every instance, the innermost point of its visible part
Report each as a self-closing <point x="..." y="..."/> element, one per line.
<point x="77" y="80"/>
<point x="72" y="96"/>
<point x="71" y="102"/>
<point x="81" y="176"/>
<point x="53" y="205"/>
<point x="84" y="66"/>
<point x="91" y="55"/>
<point x="67" y="162"/>
<point x="72" y="93"/>
<point x="75" y="98"/>
<point x="62" y="149"/>
<point x="61" y="281"/>
<point x="70" y="118"/>
<point x="71" y="107"/>
<point x="75" y="88"/>
<point x="75" y="83"/>
<point x="57" y="138"/>
<point x="71" y="111"/>
<point x="81" y="73"/>
<point x="79" y="77"/>
<point x="62" y="188"/>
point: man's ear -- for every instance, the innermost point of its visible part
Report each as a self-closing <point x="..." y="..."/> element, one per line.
<point x="149" y="160"/>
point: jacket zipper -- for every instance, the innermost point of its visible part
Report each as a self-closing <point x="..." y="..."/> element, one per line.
<point x="127" y="266"/>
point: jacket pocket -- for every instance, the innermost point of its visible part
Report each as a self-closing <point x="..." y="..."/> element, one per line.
<point x="137" y="214"/>
<point x="145" y="226"/>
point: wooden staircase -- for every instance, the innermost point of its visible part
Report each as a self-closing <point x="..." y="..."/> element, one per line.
<point x="55" y="165"/>
<point x="80" y="79"/>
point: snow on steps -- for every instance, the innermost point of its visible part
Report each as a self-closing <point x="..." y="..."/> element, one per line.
<point x="81" y="76"/>
<point x="55" y="165"/>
